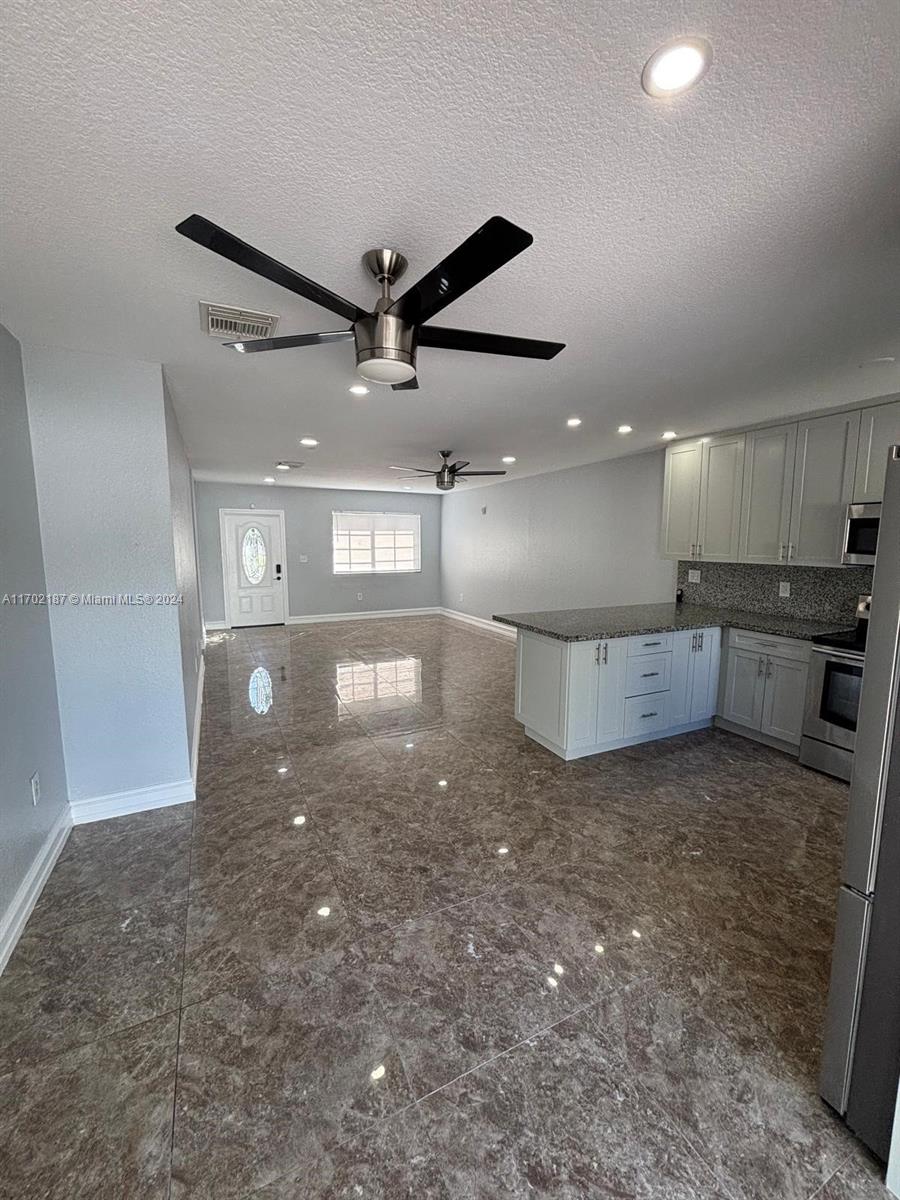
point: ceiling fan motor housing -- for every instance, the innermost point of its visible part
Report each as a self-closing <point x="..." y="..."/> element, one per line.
<point x="384" y="336"/>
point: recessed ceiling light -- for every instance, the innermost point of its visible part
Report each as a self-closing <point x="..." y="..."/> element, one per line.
<point x="669" y="434"/>
<point x="878" y="362"/>
<point x="625" y="429"/>
<point x="359" y="389"/>
<point x="269" y="479"/>
<point x="508" y="458"/>
<point x="407" y="488"/>
<point x="676" y="66"/>
<point x="239" y="346"/>
<point x="282" y="466"/>
<point x="573" y="422"/>
<point x="308" y="441"/>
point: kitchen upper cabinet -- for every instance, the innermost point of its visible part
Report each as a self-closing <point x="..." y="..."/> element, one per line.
<point x="785" y="698"/>
<point x="721" y="479"/>
<point x="681" y="499"/>
<point x="766" y="501"/>
<point x="824" y="470"/>
<point x="702" y="498"/>
<point x="879" y="429"/>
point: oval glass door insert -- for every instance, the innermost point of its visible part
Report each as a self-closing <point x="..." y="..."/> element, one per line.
<point x="260" y="691"/>
<point x="253" y="555"/>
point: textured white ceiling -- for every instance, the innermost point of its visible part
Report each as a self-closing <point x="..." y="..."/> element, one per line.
<point x="726" y="257"/>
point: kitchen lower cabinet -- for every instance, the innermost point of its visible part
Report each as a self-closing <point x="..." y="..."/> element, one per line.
<point x="579" y="698"/>
<point x="764" y="689"/>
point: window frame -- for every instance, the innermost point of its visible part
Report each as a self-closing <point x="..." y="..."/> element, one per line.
<point x="367" y="515"/>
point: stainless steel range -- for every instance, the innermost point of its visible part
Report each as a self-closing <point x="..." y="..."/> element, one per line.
<point x="832" y="697"/>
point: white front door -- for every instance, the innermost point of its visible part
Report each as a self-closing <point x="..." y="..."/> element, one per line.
<point x="253" y="566"/>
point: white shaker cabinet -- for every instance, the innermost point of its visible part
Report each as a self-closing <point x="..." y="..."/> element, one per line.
<point x="595" y="708"/>
<point x="824" y="470"/>
<point x="695" y="676"/>
<point x="878" y="430"/>
<point x="702" y="498"/>
<point x="764" y="688"/>
<point x="766" y="500"/>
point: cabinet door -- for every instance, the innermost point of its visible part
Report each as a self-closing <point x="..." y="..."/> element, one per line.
<point x="744" y="688"/>
<point x="611" y="690"/>
<point x="766" y="501"/>
<point x="682" y="674"/>
<point x="879" y="428"/>
<point x="681" y="500"/>
<point x="721" y="484"/>
<point x="583" y="693"/>
<point x="824" y="469"/>
<point x="785" y="696"/>
<point x="705" y="676"/>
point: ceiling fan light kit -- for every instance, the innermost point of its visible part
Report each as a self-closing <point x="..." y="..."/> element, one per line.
<point x="447" y="474"/>
<point x="388" y="338"/>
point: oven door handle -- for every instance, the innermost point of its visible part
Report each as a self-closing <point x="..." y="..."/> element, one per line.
<point x="849" y="656"/>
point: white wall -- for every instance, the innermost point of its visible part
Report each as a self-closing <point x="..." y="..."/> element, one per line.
<point x="312" y="586"/>
<point x="568" y="539"/>
<point x="187" y="583"/>
<point x="99" y="442"/>
<point x="30" y="738"/>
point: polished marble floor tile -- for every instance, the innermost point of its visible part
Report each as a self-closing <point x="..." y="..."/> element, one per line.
<point x="275" y="1076"/>
<point x="550" y="1118"/>
<point x="382" y="892"/>
<point x="463" y="985"/>
<point x="92" y="1122"/>
<point x="109" y="971"/>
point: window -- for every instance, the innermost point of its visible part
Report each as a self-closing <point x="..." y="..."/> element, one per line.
<point x="376" y="543"/>
<point x="360" y="681"/>
<point x="253" y="555"/>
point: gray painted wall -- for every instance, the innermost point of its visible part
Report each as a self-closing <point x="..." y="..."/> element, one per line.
<point x="187" y="583"/>
<point x="568" y="539"/>
<point x="99" y="441"/>
<point x="312" y="587"/>
<point x="30" y="738"/>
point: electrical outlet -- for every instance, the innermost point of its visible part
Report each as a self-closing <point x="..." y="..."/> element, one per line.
<point x="784" y="590"/>
<point x="35" y="788"/>
<point x="484" y="510"/>
<point x="693" y="576"/>
<point x="359" y="595"/>
<point x="304" y="558"/>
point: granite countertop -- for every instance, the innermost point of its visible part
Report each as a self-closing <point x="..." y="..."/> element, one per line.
<point x="626" y="620"/>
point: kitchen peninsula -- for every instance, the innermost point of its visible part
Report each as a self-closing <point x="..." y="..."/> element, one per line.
<point x="596" y="679"/>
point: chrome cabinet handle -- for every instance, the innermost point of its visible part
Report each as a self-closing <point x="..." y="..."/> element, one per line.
<point x="768" y="668"/>
<point x="700" y="647"/>
<point x="652" y="714"/>
<point x="597" y="654"/>
<point x="602" y="656"/>
<point x="790" y="551"/>
<point x="760" y="664"/>
<point x="694" y="644"/>
<point x="652" y="643"/>
<point x="699" y="549"/>
<point x="781" y="552"/>
<point x="693" y="549"/>
<point x="649" y="674"/>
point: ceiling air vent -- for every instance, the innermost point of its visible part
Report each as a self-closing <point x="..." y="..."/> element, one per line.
<point x="235" y="324"/>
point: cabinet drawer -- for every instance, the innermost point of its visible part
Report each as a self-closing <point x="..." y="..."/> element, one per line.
<point x="649" y="643"/>
<point x="646" y="714"/>
<point x="761" y="643"/>
<point x="648" y="673"/>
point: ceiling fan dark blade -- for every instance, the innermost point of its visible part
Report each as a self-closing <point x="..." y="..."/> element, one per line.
<point x="421" y="470"/>
<point x="220" y="241"/>
<point x="495" y="243"/>
<point x="467" y="474"/>
<point x="290" y="341"/>
<point x="459" y="465"/>
<point x="487" y="343"/>
<point x="409" y="386"/>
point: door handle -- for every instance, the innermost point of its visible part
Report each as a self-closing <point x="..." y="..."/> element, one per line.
<point x="278" y="572"/>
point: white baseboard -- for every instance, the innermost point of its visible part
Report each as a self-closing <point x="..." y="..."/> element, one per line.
<point x="481" y="622"/>
<point x="370" y="615"/>
<point x="13" y="920"/>
<point x="198" y="716"/>
<point x="618" y="744"/>
<point x="120" y="804"/>
<point x="208" y="625"/>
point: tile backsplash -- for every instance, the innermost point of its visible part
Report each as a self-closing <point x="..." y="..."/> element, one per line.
<point x="817" y="593"/>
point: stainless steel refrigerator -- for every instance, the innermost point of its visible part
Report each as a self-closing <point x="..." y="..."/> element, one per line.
<point x="861" y="1058"/>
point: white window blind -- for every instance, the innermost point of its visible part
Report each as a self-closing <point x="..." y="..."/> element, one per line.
<point x="370" y="543"/>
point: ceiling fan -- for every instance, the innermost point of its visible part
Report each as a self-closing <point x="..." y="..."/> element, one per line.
<point x="388" y="337"/>
<point x="448" y="473"/>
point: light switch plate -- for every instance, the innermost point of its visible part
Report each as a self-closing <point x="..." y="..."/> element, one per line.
<point x="693" y="576"/>
<point x="784" y="590"/>
<point x="304" y="558"/>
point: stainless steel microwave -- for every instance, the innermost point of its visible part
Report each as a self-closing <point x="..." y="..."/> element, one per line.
<point x="861" y="534"/>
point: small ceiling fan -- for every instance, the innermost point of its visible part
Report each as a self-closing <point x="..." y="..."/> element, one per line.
<point x="388" y="337"/>
<point x="448" y="473"/>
